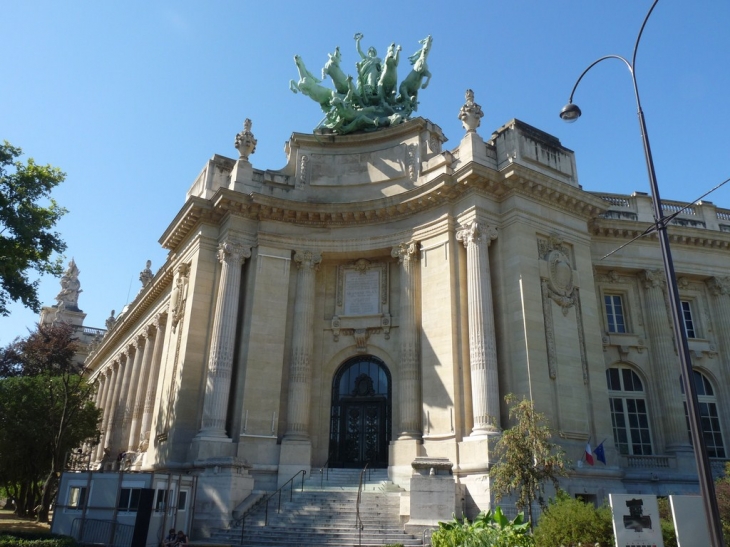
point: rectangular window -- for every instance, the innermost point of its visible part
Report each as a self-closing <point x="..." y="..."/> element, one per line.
<point x="710" y="429"/>
<point x="182" y="500"/>
<point x="161" y="500"/>
<point x="77" y="497"/>
<point x="689" y="325"/>
<point x="129" y="499"/>
<point x="614" y="313"/>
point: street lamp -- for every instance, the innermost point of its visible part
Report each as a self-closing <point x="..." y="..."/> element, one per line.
<point x="571" y="113"/>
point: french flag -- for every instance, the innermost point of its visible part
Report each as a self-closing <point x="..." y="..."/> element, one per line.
<point x="589" y="453"/>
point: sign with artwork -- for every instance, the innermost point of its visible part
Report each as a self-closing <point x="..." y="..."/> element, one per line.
<point x="636" y="520"/>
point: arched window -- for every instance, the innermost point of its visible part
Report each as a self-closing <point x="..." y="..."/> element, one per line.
<point x="708" y="414"/>
<point x="629" y="411"/>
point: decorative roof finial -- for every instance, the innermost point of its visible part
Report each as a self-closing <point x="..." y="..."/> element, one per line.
<point x="245" y="141"/>
<point x="471" y="113"/>
<point x="68" y="298"/>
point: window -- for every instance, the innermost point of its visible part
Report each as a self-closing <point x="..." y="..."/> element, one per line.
<point x="708" y="415"/>
<point x="629" y="412"/>
<point x="614" y="313"/>
<point x="689" y="325"/>
<point x="129" y="499"/>
<point x="182" y="500"/>
<point x="76" y="497"/>
<point x="161" y="500"/>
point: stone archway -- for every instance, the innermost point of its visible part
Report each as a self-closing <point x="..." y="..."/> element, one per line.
<point x="360" y="417"/>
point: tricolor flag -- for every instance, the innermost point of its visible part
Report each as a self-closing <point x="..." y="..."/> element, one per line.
<point x="600" y="453"/>
<point x="589" y="453"/>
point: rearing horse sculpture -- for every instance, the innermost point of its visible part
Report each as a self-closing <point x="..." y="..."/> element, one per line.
<point x="333" y="70"/>
<point x="308" y="84"/>
<point x="408" y="90"/>
<point x="389" y="76"/>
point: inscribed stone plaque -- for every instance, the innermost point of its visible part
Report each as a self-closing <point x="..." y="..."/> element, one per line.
<point x="362" y="292"/>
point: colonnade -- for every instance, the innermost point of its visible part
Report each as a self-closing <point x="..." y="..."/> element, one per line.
<point x="126" y="391"/>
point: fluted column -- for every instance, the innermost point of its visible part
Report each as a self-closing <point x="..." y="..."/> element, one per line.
<point x="666" y="363"/>
<point x="130" y="393"/>
<point x="110" y="413"/>
<point x="154" y="374"/>
<point x="482" y="338"/>
<point x="220" y="360"/>
<point x="409" y="392"/>
<point x="300" y="367"/>
<point x="139" y="379"/>
<point x="120" y="415"/>
<point x="106" y="376"/>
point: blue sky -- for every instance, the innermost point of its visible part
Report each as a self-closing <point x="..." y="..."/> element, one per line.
<point x="131" y="99"/>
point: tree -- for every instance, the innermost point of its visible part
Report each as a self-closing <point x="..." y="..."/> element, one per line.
<point x="27" y="239"/>
<point x="45" y="411"/>
<point x="527" y="458"/>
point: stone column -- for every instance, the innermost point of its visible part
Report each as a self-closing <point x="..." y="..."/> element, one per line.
<point x="154" y="374"/>
<point x="131" y="390"/>
<point x="106" y="376"/>
<point x="300" y="368"/>
<point x="110" y="413"/>
<point x="119" y="442"/>
<point x="482" y="339"/>
<point x="665" y="364"/>
<point x="220" y="360"/>
<point x="139" y="384"/>
<point x="409" y="393"/>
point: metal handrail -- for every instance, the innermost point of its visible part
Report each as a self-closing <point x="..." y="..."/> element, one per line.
<point x="321" y="473"/>
<point x="265" y="500"/>
<point x="358" y="520"/>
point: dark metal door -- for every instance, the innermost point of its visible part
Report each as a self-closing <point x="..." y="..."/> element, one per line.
<point x="360" y="417"/>
<point x="364" y="436"/>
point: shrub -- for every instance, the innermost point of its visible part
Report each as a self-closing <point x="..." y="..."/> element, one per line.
<point x="490" y="529"/>
<point x="567" y="521"/>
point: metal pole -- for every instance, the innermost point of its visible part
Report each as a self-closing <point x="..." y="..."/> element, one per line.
<point x="704" y="471"/>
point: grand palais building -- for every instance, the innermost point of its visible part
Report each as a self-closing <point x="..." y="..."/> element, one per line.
<point x="375" y="300"/>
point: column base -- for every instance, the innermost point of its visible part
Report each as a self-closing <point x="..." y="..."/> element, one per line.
<point x="401" y="454"/>
<point x="295" y="455"/>
<point x="203" y="448"/>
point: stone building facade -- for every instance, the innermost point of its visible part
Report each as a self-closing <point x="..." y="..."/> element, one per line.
<point x="375" y="300"/>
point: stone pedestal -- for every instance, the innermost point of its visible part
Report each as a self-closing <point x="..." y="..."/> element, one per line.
<point x="204" y="448"/>
<point x="295" y="455"/>
<point x="433" y="494"/>
<point x="223" y="483"/>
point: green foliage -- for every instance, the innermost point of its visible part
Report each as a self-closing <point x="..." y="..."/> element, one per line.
<point x="30" y="539"/>
<point x="567" y="521"/>
<point x="45" y="411"/>
<point x="527" y="457"/>
<point x="490" y="529"/>
<point x="27" y="217"/>
<point x="722" y="494"/>
<point x="667" y="523"/>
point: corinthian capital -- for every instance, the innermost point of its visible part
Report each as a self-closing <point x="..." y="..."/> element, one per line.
<point x="404" y="251"/>
<point x="233" y="253"/>
<point x="719" y="285"/>
<point x="475" y="233"/>
<point x="653" y="279"/>
<point x="308" y="259"/>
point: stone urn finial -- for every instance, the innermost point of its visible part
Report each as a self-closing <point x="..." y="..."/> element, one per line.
<point x="245" y="141"/>
<point x="471" y="113"/>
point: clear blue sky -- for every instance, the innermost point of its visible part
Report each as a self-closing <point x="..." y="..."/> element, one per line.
<point x="131" y="99"/>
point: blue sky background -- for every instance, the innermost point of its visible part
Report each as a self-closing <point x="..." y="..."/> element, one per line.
<point x="131" y="99"/>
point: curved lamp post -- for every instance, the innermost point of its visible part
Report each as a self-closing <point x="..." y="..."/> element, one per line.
<point x="570" y="113"/>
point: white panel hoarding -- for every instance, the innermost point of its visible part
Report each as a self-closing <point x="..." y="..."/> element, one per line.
<point x="636" y="520"/>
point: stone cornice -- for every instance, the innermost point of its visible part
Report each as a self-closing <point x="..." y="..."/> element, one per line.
<point x="678" y="235"/>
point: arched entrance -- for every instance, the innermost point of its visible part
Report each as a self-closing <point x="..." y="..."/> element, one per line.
<point x="361" y="413"/>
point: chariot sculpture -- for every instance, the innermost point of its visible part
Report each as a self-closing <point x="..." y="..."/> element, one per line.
<point x="374" y="99"/>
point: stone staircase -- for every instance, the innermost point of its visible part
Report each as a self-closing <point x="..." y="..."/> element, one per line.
<point x="324" y="514"/>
